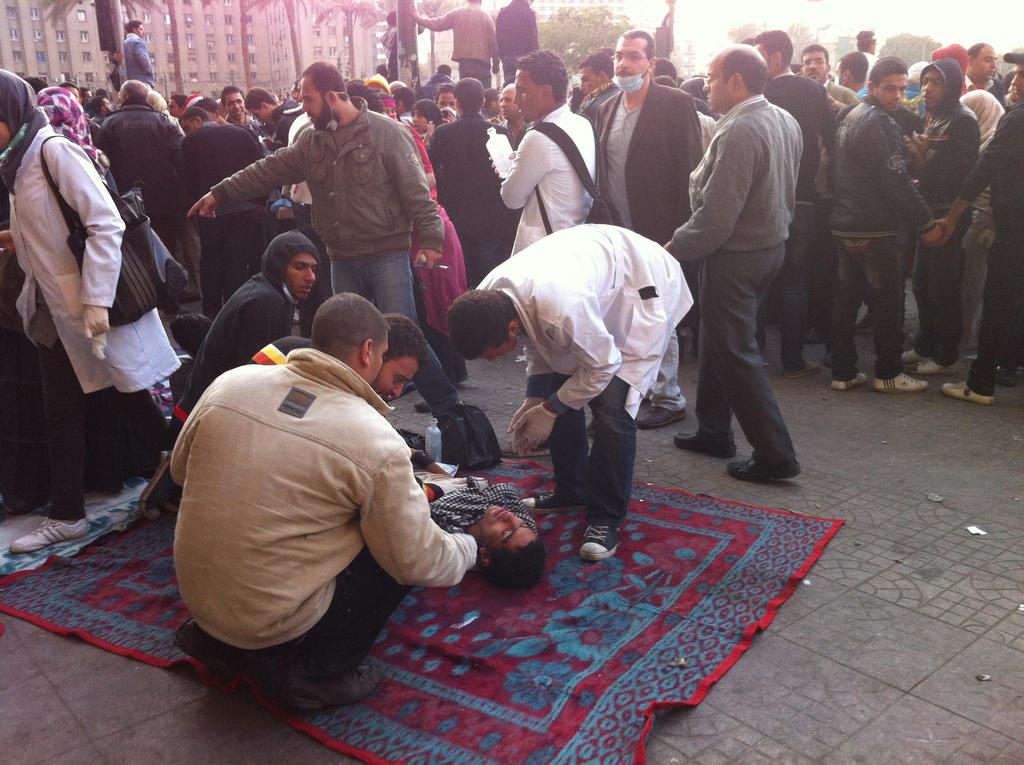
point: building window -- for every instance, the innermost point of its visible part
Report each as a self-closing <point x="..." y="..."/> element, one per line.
<point x="247" y="19"/>
<point x="33" y="14"/>
<point x="14" y="34"/>
<point x="211" y="58"/>
<point x="149" y="37"/>
<point x="213" y="76"/>
<point x="82" y="17"/>
<point x="40" y="56"/>
<point x="252" y="58"/>
<point x="83" y="36"/>
<point x="228" y="20"/>
<point x="316" y="31"/>
<point x="62" y="36"/>
<point x="318" y="52"/>
<point x="188" y="19"/>
<point x="230" y="39"/>
<point x="37" y="34"/>
<point x="227" y="3"/>
<point x="167" y="18"/>
<point x="231" y="58"/>
<point x="193" y="76"/>
<point x="167" y="38"/>
<point x="332" y="51"/>
<point x="191" y="58"/>
<point x="86" y="57"/>
<point x="18" y="56"/>
<point x="190" y="39"/>
<point x="251" y="39"/>
<point x="63" y="57"/>
<point x="146" y="18"/>
<point x="208" y="20"/>
<point x="12" y="11"/>
<point x="90" y="76"/>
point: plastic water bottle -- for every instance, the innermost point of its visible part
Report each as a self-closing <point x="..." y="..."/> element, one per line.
<point x="500" y="151"/>
<point x="433" y="440"/>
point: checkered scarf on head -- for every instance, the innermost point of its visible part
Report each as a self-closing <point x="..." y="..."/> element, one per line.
<point x="459" y="510"/>
<point x="67" y="118"/>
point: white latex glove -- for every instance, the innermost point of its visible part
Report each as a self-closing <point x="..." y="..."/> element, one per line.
<point x="533" y="428"/>
<point x="95" y="320"/>
<point x="528" y="403"/>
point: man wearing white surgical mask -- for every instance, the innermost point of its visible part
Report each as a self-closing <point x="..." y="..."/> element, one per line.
<point x="649" y="141"/>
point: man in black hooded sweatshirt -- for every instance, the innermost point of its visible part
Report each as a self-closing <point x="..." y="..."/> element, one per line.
<point x="941" y="159"/>
<point x="259" y="312"/>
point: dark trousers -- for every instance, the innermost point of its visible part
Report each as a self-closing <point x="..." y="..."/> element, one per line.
<point x="938" y="272"/>
<point x="732" y="378"/>
<point x="875" y="264"/>
<point x="482" y="254"/>
<point x="1001" y="306"/>
<point x="603" y="479"/>
<point x="228" y="243"/>
<point x="480" y="70"/>
<point x="822" y="268"/>
<point x="791" y="282"/>
<point x="509" y="67"/>
<point x="64" y="411"/>
<point x="166" y="227"/>
<point x="365" y="596"/>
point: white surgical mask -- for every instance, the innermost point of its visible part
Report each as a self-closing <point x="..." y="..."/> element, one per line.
<point x="630" y="84"/>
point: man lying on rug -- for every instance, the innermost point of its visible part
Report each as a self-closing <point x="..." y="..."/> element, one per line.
<point x="301" y="527"/>
<point x="597" y="304"/>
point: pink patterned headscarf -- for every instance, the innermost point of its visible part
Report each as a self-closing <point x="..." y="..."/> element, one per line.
<point x="66" y="116"/>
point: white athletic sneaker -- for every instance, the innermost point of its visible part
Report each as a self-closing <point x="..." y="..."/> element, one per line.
<point x="930" y="367"/>
<point x="911" y="357"/>
<point x="901" y="383"/>
<point x="50" y="532"/>
<point x="860" y="379"/>
<point x="961" y="392"/>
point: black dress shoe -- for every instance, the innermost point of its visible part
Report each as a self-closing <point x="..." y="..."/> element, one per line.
<point x="223" y="660"/>
<point x="749" y="470"/>
<point x="542" y="503"/>
<point x="339" y="690"/>
<point x="697" y="442"/>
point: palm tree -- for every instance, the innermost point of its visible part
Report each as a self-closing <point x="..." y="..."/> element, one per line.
<point x="291" y="8"/>
<point x="363" y="12"/>
<point x="432" y="9"/>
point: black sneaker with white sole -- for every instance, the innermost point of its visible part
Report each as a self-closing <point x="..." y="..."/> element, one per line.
<point x="599" y="542"/>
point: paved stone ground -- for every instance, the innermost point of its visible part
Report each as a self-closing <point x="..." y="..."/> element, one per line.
<point x="873" y="660"/>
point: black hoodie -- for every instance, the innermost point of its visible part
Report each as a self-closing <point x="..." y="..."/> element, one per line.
<point x="259" y="312"/>
<point x="953" y="139"/>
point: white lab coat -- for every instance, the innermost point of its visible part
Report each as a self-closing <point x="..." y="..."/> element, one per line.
<point x="138" y="354"/>
<point x="579" y="293"/>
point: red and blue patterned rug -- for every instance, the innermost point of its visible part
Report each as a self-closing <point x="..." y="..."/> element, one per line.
<point x="571" y="671"/>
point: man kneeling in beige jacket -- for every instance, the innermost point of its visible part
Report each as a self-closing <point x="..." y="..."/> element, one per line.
<point x="301" y="527"/>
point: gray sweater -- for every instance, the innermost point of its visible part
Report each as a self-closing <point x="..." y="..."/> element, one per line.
<point x="743" y="191"/>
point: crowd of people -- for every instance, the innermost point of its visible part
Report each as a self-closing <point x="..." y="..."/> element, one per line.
<point x="407" y="229"/>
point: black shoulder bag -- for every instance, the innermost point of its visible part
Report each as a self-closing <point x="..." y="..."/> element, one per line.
<point x="602" y="211"/>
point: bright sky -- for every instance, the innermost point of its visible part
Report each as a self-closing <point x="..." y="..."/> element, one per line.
<point x="708" y="23"/>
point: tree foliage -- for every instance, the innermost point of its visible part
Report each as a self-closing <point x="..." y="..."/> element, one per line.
<point x="802" y="36"/>
<point x="910" y="47"/>
<point x="743" y="31"/>
<point x="575" y="33"/>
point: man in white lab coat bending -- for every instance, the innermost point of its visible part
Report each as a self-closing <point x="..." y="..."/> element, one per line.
<point x="596" y="305"/>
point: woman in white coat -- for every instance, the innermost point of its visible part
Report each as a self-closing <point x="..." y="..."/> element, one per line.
<point x="64" y="308"/>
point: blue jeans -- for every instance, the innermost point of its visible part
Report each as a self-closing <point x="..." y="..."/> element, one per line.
<point x="386" y="281"/>
<point x="604" y="478"/>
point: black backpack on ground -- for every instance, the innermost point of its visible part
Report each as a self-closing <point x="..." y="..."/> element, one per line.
<point x="468" y="439"/>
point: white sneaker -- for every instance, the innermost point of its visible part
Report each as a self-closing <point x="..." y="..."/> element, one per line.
<point x="901" y="383"/>
<point x="911" y="357"/>
<point x="961" y="392"/>
<point x="860" y="379"/>
<point x="50" y="532"/>
<point x="930" y="367"/>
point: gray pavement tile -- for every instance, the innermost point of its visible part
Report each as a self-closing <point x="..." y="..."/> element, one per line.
<point x="803" y="700"/>
<point x="955" y="687"/>
<point x="35" y="724"/>
<point x="880" y="639"/>
<point x="16" y="663"/>
<point x="705" y="735"/>
<point x="83" y="755"/>
<point x="915" y="731"/>
<point x="812" y="593"/>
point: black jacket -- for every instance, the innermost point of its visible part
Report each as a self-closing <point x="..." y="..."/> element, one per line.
<point x="516" y="29"/>
<point x="953" y="140"/>
<point x="215" y="152"/>
<point x="666" y="146"/>
<point x="258" y="313"/>
<point x="807" y="101"/>
<point x="1001" y="166"/>
<point x="144" y="146"/>
<point x="467" y="186"/>
<point x="873" y="193"/>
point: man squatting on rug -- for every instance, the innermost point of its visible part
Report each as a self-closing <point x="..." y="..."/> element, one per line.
<point x="301" y="526"/>
<point x="596" y="305"/>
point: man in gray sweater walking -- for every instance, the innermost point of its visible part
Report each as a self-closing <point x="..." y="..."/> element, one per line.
<point x="743" y="196"/>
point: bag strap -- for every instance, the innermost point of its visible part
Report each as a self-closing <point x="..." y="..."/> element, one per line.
<point x="572" y="153"/>
<point x="71" y="217"/>
<point x="543" y="211"/>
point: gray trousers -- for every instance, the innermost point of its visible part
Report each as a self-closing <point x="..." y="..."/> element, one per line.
<point x="732" y="377"/>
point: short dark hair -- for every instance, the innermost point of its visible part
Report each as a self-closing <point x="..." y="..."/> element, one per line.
<point x="815" y="48"/>
<point x="256" y="97"/>
<point x="469" y="92"/>
<point x="195" y="112"/>
<point x="372" y="96"/>
<point x="665" y="68"/>
<point x="639" y="34"/>
<point x="975" y="50"/>
<point x="429" y="110"/>
<point x="599" y="62"/>
<point x="667" y="81"/>
<point x="749" y="65"/>
<point x="131" y="26"/>
<point x="391" y="18"/>
<point x="886" y="66"/>
<point x="404" y="96"/>
<point x="37" y="83"/>
<point x="776" y="41"/>
<point x="479" y="320"/>
<point x="445" y="70"/>
<point x="545" y="68"/>
<point x="228" y="90"/>
<point x="180" y="99"/>
<point x="864" y="39"/>
<point x="189" y="330"/>
<point x="325" y="77"/>
<point x="344" y="322"/>
<point x="445" y="87"/>
<point x="490" y="94"/>
<point x="69" y="84"/>
<point x="518" y="569"/>
<point x="208" y="105"/>
<point x="856" y="64"/>
<point x="405" y="338"/>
